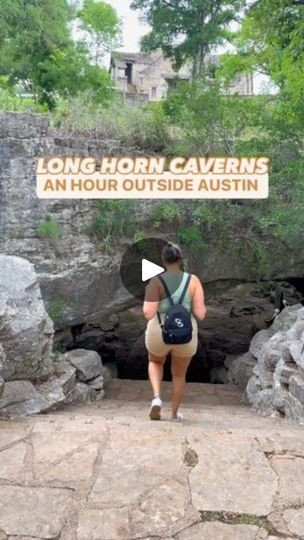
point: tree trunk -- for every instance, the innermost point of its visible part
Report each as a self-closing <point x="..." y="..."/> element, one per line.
<point x="199" y="63"/>
<point x="202" y="54"/>
<point x="194" y="68"/>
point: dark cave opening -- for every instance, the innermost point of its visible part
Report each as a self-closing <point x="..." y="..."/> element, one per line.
<point x="298" y="283"/>
<point x="235" y="315"/>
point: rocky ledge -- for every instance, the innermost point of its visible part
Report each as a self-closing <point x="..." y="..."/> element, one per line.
<point x="32" y="378"/>
<point x="277" y="381"/>
<point x="78" y="376"/>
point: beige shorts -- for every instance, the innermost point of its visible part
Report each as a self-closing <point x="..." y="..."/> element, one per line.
<point x="156" y="346"/>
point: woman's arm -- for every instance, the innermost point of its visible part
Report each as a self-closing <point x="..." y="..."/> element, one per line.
<point x="198" y="300"/>
<point x="150" y="307"/>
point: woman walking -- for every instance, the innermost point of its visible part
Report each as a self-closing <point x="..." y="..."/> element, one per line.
<point x="173" y="287"/>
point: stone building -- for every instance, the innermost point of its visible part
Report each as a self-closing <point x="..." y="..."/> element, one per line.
<point x="142" y="78"/>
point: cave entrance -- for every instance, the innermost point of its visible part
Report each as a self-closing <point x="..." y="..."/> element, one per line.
<point x="236" y="312"/>
<point x="298" y="283"/>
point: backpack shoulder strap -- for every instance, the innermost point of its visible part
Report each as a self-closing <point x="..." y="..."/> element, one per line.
<point x="185" y="289"/>
<point x="166" y="290"/>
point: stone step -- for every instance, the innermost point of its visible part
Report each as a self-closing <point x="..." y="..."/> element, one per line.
<point x="205" y="407"/>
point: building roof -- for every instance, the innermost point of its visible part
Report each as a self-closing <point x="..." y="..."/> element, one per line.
<point x="121" y="58"/>
<point x="138" y="58"/>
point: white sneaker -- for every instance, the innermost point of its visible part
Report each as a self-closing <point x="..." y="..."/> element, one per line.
<point x="177" y="418"/>
<point x="155" y="408"/>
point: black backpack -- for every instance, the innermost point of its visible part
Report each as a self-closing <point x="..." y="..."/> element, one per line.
<point x="177" y="326"/>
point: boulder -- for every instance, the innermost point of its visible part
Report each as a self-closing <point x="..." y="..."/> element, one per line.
<point x="264" y="375"/>
<point x="296" y="388"/>
<point x="107" y="376"/>
<point x="241" y="369"/>
<point x="97" y="383"/>
<point x="252" y="388"/>
<point x="294" y="410"/>
<point x="263" y="401"/>
<point x="88" y="364"/>
<point x="286" y="319"/>
<point x="26" y="330"/>
<point x="297" y="352"/>
<point x="277" y="383"/>
<point x="219" y="375"/>
<point x="283" y="372"/>
<point x="22" y="398"/>
<point x="280" y="399"/>
<point x="82" y="393"/>
<point x="66" y="374"/>
<point x="258" y="341"/>
<point x="109" y="372"/>
<point x="52" y="391"/>
<point x="229" y="358"/>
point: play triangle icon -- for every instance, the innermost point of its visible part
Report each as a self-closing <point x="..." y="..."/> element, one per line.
<point x="150" y="270"/>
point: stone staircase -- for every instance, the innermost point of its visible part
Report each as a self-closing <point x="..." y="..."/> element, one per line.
<point x="105" y="471"/>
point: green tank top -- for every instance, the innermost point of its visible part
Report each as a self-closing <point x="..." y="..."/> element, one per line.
<point x="169" y="280"/>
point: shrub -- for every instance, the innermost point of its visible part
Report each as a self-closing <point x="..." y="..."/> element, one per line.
<point x="55" y="308"/>
<point x="168" y="212"/>
<point x="11" y="101"/>
<point x="49" y="228"/>
<point x="255" y="256"/>
<point x="114" y="219"/>
<point x="191" y="236"/>
<point x="144" y="127"/>
<point x="57" y="351"/>
<point x="140" y="235"/>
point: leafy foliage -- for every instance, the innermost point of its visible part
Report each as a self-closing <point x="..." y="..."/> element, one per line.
<point x="165" y="212"/>
<point x="191" y="237"/>
<point x="143" y="127"/>
<point x="271" y="41"/>
<point x="102" y="27"/>
<point x="38" y="52"/>
<point x="55" y="309"/>
<point x="112" y="222"/>
<point x="49" y="228"/>
<point x="187" y="30"/>
<point x="11" y="101"/>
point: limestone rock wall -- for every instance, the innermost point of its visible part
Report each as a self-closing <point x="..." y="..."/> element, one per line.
<point x="277" y="382"/>
<point x="78" y="280"/>
<point x="26" y="330"/>
<point x="32" y="379"/>
<point x="72" y="271"/>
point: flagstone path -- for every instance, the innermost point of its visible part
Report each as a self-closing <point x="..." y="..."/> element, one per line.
<point x="105" y="471"/>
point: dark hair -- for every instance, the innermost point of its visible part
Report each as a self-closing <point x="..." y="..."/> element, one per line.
<point x="172" y="253"/>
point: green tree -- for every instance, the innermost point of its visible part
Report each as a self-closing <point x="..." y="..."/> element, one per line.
<point x="38" y="53"/>
<point x="68" y="72"/>
<point x="30" y="32"/>
<point x="102" y="26"/>
<point x="187" y="30"/>
<point x="271" y="41"/>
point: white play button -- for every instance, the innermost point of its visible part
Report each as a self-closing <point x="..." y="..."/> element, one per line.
<point x="136" y="268"/>
<point x="149" y="270"/>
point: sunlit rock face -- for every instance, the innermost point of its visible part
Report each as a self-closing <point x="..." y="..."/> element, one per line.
<point x="26" y="330"/>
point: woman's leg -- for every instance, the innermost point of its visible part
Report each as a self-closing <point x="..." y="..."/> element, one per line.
<point x="179" y="368"/>
<point x="156" y="372"/>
